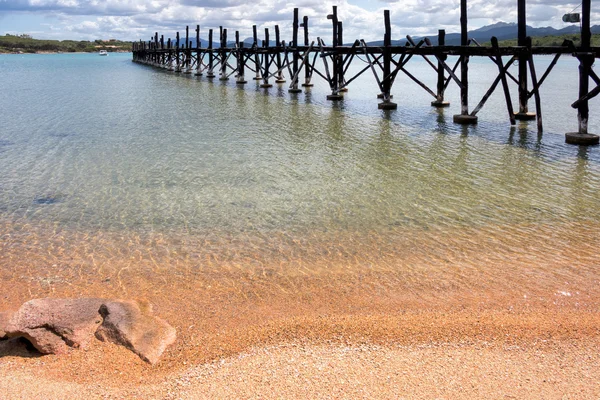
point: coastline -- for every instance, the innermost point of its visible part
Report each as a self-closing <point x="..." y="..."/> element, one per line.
<point x="58" y="52"/>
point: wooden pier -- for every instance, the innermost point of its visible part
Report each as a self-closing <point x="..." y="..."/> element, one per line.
<point x="269" y="60"/>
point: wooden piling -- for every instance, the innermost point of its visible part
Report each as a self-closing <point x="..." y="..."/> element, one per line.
<point x="198" y="53"/>
<point x="211" y="57"/>
<point x="241" y="62"/>
<point x="295" y="55"/>
<point x="280" y="78"/>
<point x="586" y="60"/>
<point x="177" y="54"/>
<point x="464" y="117"/>
<point x="335" y="59"/>
<point x="386" y="83"/>
<point x="441" y="77"/>
<point x="523" y="57"/>
<point x="223" y="55"/>
<point x="267" y="62"/>
<point x="171" y="63"/>
<point x="187" y="68"/>
<point x="307" y="64"/>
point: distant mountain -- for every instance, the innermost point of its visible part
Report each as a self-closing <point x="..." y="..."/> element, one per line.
<point x="502" y="30"/>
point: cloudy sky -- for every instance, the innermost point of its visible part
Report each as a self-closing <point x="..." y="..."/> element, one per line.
<point x="363" y="19"/>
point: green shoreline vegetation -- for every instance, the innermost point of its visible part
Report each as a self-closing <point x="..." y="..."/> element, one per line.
<point x="552" y="40"/>
<point x="27" y="44"/>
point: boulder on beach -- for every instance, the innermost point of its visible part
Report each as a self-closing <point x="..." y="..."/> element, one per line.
<point x="127" y="324"/>
<point x="55" y="325"/>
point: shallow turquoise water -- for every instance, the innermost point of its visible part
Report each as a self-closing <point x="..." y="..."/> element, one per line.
<point x="92" y="143"/>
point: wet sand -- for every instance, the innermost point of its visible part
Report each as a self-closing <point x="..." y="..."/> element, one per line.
<point x="457" y="314"/>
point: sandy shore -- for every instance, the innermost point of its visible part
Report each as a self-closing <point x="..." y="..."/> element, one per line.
<point x="457" y="315"/>
<point x="541" y="355"/>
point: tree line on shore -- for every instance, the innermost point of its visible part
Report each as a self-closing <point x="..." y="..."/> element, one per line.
<point x="27" y="44"/>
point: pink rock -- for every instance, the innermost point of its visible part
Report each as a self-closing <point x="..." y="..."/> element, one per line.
<point x="54" y="325"/>
<point x="128" y="325"/>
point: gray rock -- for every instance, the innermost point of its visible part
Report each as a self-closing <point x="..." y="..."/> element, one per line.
<point x="4" y="320"/>
<point x="54" y="325"/>
<point x="125" y="323"/>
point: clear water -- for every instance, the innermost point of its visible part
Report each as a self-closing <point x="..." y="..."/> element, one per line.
<point x="101" y="158"/>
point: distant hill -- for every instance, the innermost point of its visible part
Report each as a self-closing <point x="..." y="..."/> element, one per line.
<point x="501" y="30"/>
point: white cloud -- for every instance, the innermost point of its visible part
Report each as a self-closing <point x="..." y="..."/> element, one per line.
<point x="134" y="19"/>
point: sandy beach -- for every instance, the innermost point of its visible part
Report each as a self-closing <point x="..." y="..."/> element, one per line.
<point x="498" y="356"/>
<point x="391" y="321"/>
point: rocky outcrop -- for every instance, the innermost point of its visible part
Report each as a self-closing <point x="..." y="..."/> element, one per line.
<point x="126" y="324"/>
<point x="55" y="325"/>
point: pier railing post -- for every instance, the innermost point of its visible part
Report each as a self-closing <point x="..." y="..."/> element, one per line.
<point x="464" y="117"/>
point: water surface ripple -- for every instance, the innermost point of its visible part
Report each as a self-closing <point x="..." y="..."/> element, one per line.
<point x="103" y="161"/>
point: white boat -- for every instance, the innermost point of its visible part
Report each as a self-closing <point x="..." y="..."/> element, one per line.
<point x="103" y="53"/>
